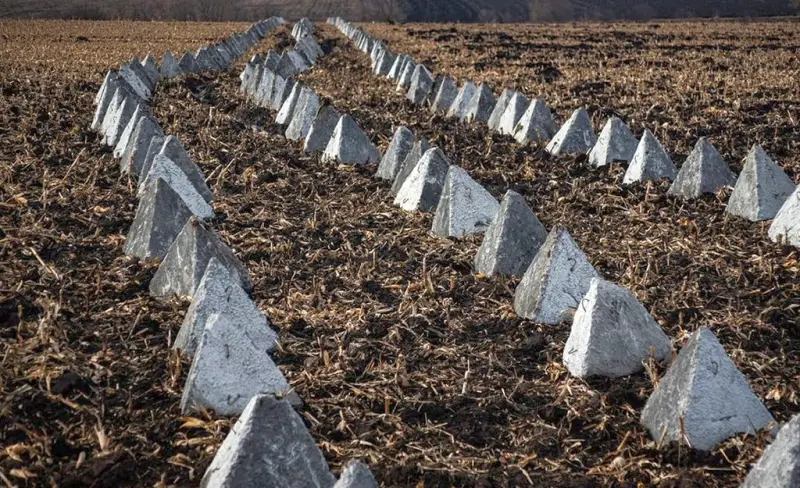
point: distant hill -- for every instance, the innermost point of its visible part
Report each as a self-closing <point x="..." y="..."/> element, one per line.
<point x="398" y="10"/>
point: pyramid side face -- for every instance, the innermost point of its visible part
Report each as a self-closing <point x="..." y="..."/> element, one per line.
<point x="423" y="187"/>
<point x="175" y="274"/>
<point x="786" y="226"/>
<point x="356" y="475"/>
<point x="481" y="105"/>
<point x="703" y="172"/>
<point x="307" y="108"/>
<point x="445" y="96"/>
<point x="499" y="109"/>
<point x="106" y="94"/>
<point x="576" y="136"/>
<point x="208" y="245"/>
<point x="720" y="401"/>
<point x="321" y="130"/>
<point x="127" y="133"/>
<point x="287" y="109"/>
<point x="461" y="103"/>
<point x="615" y="144"/>
<point x="132" y="159"/>
<point x="402" y="144"/>
<point x="167" y="170"/>
<point x="612" y="334"/>
<point x="156" y="143"/>
<point x="160" y="217"/>
<point x="650" y="162"/>
<point x="120" y="121"/>
<point x="331" y="152"/>
<point x="468" y="207"/>
<point x="355" y="146"/>
<point x="273" y="448"/>
<point x="536" y="124"/>
<point x="779" y="465"/>
<point x="421" y="146"/>
<point x="761" y="189"/>
<point x="513" y="113"/>
<point x="228" y="370"/>
<point x="528" y="295"/>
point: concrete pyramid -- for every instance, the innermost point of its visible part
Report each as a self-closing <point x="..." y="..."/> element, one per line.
<point x="103" y="99"/>
<point x="576" y="136"/>
<point x="615" y="144"/>
<point x="402" y="144"/>
<point x="133" y="157"/>
<point x="779" y="465"/>
<point x="649" y="162"/>
<point x="245" y="76"/>
<point x="149" y="64"/>
<point x="140" y="111"/>
<point x="356" y="475"/>
<point x="458" y="109"/>
<point x="230" y="367"/>
<point x="187" y="64"/>
<point x="465" y="207"/>
<point x="481" y="104"/>
<point x="349" y="144"/>
<point x="423" y="187"/>
<point x="761" y="189"/>
<point x="219" y="294"/>
<point x="786" y="226"/>
<point x="159" y="219"/>
<point x="269" y="446"/>
<point x="499" y="109"/>
<point x="612" y="333"/>
<point x="321" y="130"/>
<point x="156" y="143"/>
<point x="404" y="81"/>
<point x="137" y="80"/>
<point x="271" y="60"/>
<point x="703" y="399"/>
<point x="516" y="108"/>
<point x="536" y="124"/>
<point x="304" y="114"/>
<point x="421" y="85"/>
<point x="254" y="81"/>
<point x="287" y="109"/>
<point x="281" y="90"/>
<point x="418" y="150"/>
<point x="174" y="150"/>
<point x="384" y="64"/>
<point x="512" y="241"/>
<point x="263" y="94"/>
<point x="300" y="62"/>
<point x="165" y="168"/>
<point x="703" y="172"/>
<point x="149" y="79"/>
<point x="397" y="67"/>
<point x="117" y="117"/>
<point x="110" y="75"/>
<point x="185" y="263"/>
<point x="556" y="281"/>
<point x="169" y="67"/>
<point x="446" y="94"/>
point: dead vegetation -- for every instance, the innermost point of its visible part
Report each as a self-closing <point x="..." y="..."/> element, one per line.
<point x="403" y="357"/>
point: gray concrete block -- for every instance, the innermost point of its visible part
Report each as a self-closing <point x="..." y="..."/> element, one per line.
<point x="321" y="129"/>
<point x="649" y="162"/>
<point x="418" y="150"/>
<point x="349" y="144"/>
<point x="616" y="144"/>
<point x="187" y="64"/>
<point x="384" y="64"/>
<point x="281" y="91"/>
<point x="286" y="112"/>
<point x="421" y="85"/>
<point x="174" y="150"/>
<point x="304" y="114"/>
<point x="703" y="399"/>
<point x="703" y="172"/>
<point x="445" y="96"/>
<point x="160" y="217"/>
<point x="356" y="475"/>
<point x="762" y="188"/>
<point x="404" y="81"/>
<point x="165" y="168"/>
<point x="481" y="104"/>
<point x="464" y="208"/>
<point x="515" y="109"/>
<point x="169" y="68"/>
<point x="786" y="226"/>
<point x="269" y="446"/>
<point x="422" y="189"/>
<point x="402" y="144"/>
<point x="271" y="60"/>
<point x="397" y="67"/>
<point x="612" y="334"/>
<point x="140" y="111"/>
<point x="536" y="124"/>
<point x="576" y="136"/>
<point x="556" y="281"/>
<point x="119" y="113"/>
<point x="185" y="263"/>
<point x="458" y="109"/>
<point x="499" y="109"/>
<point x="133" y="157"/>
<point x="779" y="465"/>
<point x="512" y="240"/>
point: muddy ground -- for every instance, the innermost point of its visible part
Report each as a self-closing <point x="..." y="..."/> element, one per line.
<point x="403" y="356"/>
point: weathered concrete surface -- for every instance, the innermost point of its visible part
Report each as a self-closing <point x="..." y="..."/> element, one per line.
<point x="612" y="333"/>
<point x="512" y="240"/>
<point x="304" y="114"/>
<point x="402" y="144"/>
<point x="418" y="150"/>
<point x="515" y="109"/>
<point x="481" y="105"/>
<point x="169" y="67"/>
<point x="556" y="281"/>
<point x="703" y="172"/>
<point x="356" y="475"/>
<point x="703" y="399"/>
<point x="133" y="158"/>
<point x="423" y="187"/>
<point x="174" y="150"/>
<point x="499" y="109"/>
<point x="286" y="112"/>
<point x="165" y="168"/>
<point x="536" y="124"/>
<point x="446" y="94"/>
<point x="762" y="188"/>
<point x="616" y="144"/>
<point x="321" y="129"/>
<point x="576" y="136"/>
<point x="349" y="144"/>
<point x="269" y="446"/>
<point x="421" y="85"/>
<point x="779" y="465"/>
<point x="786" y="226"/>
<point x="460" y="105"/>
<point x="465" y="207"/>
<point x="160" y="217"/>
<point x="650" y="162"/>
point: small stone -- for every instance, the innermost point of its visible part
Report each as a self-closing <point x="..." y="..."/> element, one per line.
<point x="762" y="188"/>
<point x="165" y="168"/>
<point x="460" y="105"/>
<point x="779" y="465"/>
<point x="515" y="109"/>
<point x="133" y="157"/>
<point x="612" y="333"/>
<point x="481" y="105"/>
<point x="421" y="84"/>
<point x="650" y="162"/>
<point x="169" y="67"/>
<point x="786" y="226"/>
<point x="402" y="144"/>
<point x="304" y="114"/>
<point x="418" y="150"/>
<point x="536" y="124"/>
<point x="615" y="144"/>
<point x="287" y="109"/>
<point x="465" y="207"/>
<point x="321" y="130"/>
<point x="185" y="263"/>
<point x="219" y="294"/>
<point x="512" y="241"/>
<point x="422" y="189"/>
<point x="556" y="281"/>
<point x="446" y="94"/>
<point x="349" y="144"/>
<point x="160" y="217"/>
<point x="576" y="136"/>
<point x="500" y="109"/>
<point x="269" y="446"/>
<point x="356" y="475"/>
<point x="703" y="172"/>
<point x="703" y="399"/>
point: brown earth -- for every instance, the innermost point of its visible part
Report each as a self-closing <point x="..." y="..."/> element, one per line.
<point x="403" y="357"/>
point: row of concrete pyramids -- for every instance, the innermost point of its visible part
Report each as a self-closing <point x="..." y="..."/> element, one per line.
<point x="760" y="193"/>
<point x="224" y="332"/>
<point x="703" y="399"/>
